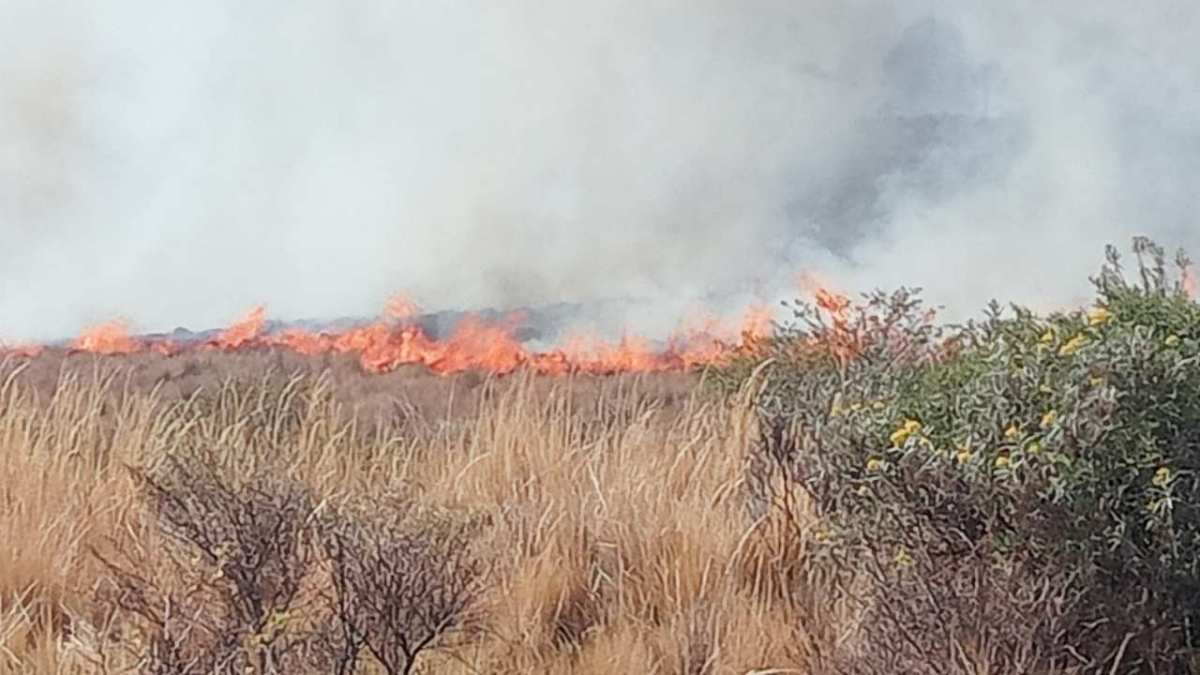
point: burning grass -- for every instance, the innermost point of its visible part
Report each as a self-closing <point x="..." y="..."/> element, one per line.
<point x="397" y="339"/>
<point x="611" y="534"/>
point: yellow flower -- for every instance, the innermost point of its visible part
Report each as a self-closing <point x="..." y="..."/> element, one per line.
<point x="1096" y="381"/>
<point x="1048" y="419"/>
<point x="1162" y="477"/>
<point x="1072" y="345"/>
<point x="963" y="456"/>
<point x="903" y="559"/>
<point x="874" y="464"/>
<point x="1034" y="448"/>
<point x="1002" y="462"/>
<point x="901" y="435"/>
<point x="1012" y="431"/>
<point x="1098" y="316"/>
<point x="1171" y="340"/>
<point x="1047" y="337"/>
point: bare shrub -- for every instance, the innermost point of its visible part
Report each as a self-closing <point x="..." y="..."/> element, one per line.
<point x="403" y="578"/>
<point x="236" y="554"/>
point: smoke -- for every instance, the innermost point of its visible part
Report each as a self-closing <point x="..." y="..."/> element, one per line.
<point x="177" y="162"/>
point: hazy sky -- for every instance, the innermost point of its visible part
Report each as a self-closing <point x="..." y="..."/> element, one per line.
<point x="176" y="162"/>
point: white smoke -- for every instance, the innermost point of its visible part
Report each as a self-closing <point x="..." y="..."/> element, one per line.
<point x="177" y="162"/>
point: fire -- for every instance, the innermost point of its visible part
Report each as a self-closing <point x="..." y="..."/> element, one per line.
<point x="757" y="323"/>
<point x="165" y="347"/>
<point x="844" y="340"/>
<point x="841" y="336"/>
<point x="629" y="354"/>
<point x="400" y="309"/>
<point x="109" y="338"/>
<point x="395" y="339"/>
<point x="244" y="332"/>
<point x="475" y="344"/>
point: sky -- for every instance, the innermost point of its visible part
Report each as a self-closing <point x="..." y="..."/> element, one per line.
<point x="175" y="163"/>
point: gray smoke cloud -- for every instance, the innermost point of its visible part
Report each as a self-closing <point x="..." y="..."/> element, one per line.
<point x="177" y="162"/>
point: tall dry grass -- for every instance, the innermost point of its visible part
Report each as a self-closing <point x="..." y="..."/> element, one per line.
<point x="619" y="540"/>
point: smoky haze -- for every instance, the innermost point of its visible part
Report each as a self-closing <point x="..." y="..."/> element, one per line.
<point x="174" y="163"/>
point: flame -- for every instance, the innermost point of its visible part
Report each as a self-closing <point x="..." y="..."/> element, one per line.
<point x="395" y="339"/>
<point x="245" y="332"/>
<point x="757" y="323"/>
<point x="400" y="309"/>
<point x="302" y="342"/>
<point x="629" y="354"/>
<point x="108" y="338"/>
<point x="165" y="347"/>
<point x="841" y="337"/>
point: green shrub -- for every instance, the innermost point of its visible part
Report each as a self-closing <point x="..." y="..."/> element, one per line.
<point x="1017" y="494"/>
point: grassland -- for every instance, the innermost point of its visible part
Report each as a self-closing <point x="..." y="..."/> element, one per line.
<point x="614" y="532"/>
<point x="864" y="493"/>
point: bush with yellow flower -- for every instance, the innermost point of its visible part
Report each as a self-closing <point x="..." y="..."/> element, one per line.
<point x="1018" y="452"/>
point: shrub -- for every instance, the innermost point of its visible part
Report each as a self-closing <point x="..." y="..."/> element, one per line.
<point x="236" y="554"/>
<point x="403" y="578"/>
<point x="1018" y="493"/>
<point x="253" y="577"/>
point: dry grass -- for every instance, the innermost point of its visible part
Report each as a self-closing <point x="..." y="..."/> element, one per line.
<point x="618" y="537"/>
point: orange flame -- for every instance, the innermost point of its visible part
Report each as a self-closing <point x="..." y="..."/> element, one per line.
<point x="841" y="337"/>
<point x="111" y="337"/>
<point x="245" y="332"/>
<point x="757" y="322"/>
<point x="165" y="347"/>
<point x="395" y="340"/>
<point x="400" y="309"/>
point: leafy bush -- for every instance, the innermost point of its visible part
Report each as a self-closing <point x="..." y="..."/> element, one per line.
<point x="1015" y="494"/>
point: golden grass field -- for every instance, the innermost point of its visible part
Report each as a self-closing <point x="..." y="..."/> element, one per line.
<point x="618" y="537"/>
